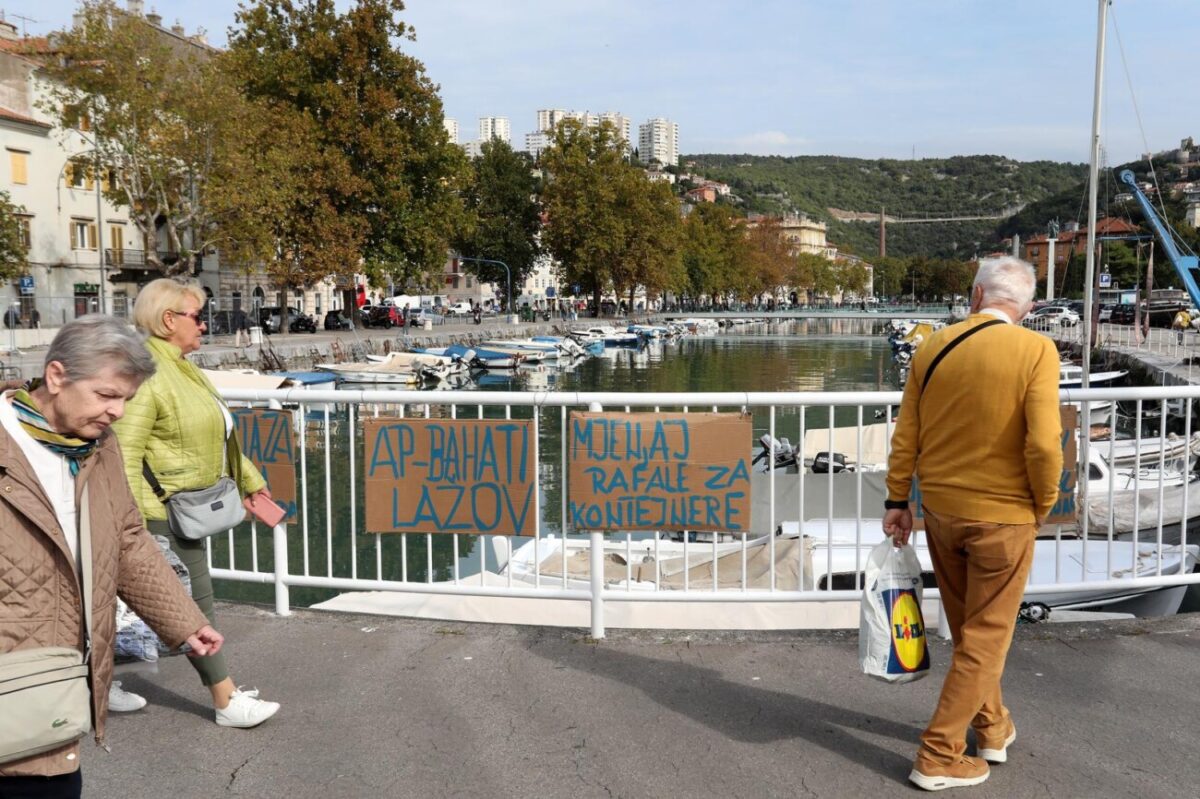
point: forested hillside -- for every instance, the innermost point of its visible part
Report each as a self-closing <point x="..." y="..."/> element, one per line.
<point x="958" y="186"/>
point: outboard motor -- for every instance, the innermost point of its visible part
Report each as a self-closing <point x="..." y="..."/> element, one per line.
<point x="829" y="463"/>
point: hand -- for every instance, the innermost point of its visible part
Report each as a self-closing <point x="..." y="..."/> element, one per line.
<point x="205" y="641"/>
<point x="898" y="524"/>
<point x="263" y="493"/>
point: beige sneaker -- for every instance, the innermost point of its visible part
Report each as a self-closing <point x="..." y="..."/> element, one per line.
<point x="994" y="749"/>
<point x="933" y="777"/>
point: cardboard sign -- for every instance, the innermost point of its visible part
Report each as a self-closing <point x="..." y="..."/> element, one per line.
<point x="450" y="476"/>
<point x="1063" y="511"/>
<point x="659" y="471"/>
<point x="267" y="439"/>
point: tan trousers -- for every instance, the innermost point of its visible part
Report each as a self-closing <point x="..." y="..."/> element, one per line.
<point x="981" y="570"/>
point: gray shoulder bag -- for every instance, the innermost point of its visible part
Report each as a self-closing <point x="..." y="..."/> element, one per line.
<point x="45" y="699"/>
<point x="197" y="514"/>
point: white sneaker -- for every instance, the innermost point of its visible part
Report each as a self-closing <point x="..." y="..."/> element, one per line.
<point x="120" y="701"/>
<point x="245" y="709"/>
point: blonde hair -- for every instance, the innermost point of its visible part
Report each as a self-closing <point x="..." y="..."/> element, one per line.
<point x="162" y="295"/>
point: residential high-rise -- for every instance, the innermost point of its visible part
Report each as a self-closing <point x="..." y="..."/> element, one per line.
<point x="548" y="119"/>
<point x="451" y="126"/>
<point x="495" y="128"/>
<point x="658" y="142"/>
<point x="536" y="142"/>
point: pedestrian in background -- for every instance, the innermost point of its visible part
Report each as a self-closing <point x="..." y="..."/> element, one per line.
<point x="35" y="319"/>
<point x="988" y="479"/>
<point x="180" y="428"/>
<point x="56" y="446"/>
<point x="1181" y="323"/>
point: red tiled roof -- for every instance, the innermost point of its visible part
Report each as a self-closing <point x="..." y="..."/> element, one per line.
<point x="30" y="45"/>
<point x="1108" y="226"/>
<point x="13" y="116"/>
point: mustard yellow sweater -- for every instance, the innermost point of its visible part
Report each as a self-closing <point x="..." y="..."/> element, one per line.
<point x="985" y="440"/>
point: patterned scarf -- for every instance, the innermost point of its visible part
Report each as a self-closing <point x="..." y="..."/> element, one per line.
<point x="35" y="424"/>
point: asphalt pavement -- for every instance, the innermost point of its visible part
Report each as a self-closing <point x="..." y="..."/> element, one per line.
<point x="387" y="707"/>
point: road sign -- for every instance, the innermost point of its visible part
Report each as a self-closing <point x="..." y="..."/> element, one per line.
<point x="1105" y="280"/>
<point x="26" y="284"/>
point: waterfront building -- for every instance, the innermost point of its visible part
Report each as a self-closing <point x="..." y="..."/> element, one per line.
<point x="495" y="128"/>
<point x="451" y="126"/>
<point x="658" y="142"/>
<point x="1072" y="239"/>
<point x="83" y="248"/>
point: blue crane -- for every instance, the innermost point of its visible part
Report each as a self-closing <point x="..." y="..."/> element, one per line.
<point x="1188" y="266"/>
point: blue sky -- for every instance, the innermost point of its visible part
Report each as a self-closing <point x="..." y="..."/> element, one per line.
<point x="865" y="78"/>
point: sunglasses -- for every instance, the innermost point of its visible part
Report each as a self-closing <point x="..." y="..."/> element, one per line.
<point x="194" y="316"/>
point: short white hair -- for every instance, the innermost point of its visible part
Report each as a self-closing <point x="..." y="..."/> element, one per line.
<point x="88" y="344"/>
<point x="1006" y="278"/>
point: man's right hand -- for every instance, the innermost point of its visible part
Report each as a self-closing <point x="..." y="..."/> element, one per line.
<point x="898" y="525"/>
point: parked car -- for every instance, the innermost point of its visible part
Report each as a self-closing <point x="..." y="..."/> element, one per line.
<point x="337" y="320"/>
<point x="271" y="321"/>
<point x="418" y="317"/>
<point x="377" y="316"/>
<point x="1105" y="314"/>
<point x="461" y="308"/>
<point x="1052" y="315"/>
<point x="1122" y="314"/>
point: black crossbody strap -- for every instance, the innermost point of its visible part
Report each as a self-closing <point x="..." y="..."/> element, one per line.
<point x="946" y="349"/>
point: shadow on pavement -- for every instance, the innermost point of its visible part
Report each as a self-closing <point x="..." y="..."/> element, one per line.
<point x="742" y="712"/>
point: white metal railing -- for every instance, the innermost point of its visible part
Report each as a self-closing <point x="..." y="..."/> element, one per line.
<point x="311" y="553"/>
<point x="1176" y="348"/>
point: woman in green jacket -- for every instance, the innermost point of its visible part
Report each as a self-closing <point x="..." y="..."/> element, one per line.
<point x="178" y="426"/>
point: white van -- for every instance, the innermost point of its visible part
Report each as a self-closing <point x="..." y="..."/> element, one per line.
<point x="461" y="308"/>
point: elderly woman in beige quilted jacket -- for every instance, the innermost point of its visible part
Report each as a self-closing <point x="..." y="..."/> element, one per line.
<point x="178" y="426"/>
<point x="55" y="443"/>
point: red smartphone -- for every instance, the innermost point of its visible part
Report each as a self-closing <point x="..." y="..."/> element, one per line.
<point x="266" y="511"/>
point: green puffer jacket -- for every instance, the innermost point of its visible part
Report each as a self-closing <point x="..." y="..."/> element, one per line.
<point x="174" y="423"/>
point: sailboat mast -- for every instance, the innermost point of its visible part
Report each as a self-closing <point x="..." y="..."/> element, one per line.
<point x="1093" y="190"/>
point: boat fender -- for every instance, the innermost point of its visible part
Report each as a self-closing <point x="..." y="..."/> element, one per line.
<point x="1033" y="613"/>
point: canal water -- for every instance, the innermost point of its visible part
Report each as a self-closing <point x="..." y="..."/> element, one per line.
<point x="814" y="355"/>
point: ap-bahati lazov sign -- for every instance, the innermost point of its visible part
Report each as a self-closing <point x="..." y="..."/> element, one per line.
<point x="450" y="476"/>
<point x="658" y="471"/>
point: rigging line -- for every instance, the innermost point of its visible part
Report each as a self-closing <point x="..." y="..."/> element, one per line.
<point x="1179" y="241"/>
<point x="1137" y="113"/>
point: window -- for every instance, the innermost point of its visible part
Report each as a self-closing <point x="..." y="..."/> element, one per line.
<point x="116" y="239"/>
<point x="83" y="234"/>
<point x="18" y="162"/>
<point x="23" y="231"/>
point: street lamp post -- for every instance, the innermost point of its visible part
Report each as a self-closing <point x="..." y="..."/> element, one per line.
<point x="512" y="318"/>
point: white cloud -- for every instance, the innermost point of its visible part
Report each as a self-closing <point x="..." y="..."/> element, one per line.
<point x="768" y="142"/>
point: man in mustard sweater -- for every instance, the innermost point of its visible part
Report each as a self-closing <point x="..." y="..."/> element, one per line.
<point x="979" y="426"/>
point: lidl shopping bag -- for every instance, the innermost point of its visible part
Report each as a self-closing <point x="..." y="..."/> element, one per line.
<point x="891" y="630"/>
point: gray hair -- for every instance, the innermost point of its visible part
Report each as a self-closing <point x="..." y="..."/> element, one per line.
<point x="91" y="343"/>
<point x="1006" y="278"/>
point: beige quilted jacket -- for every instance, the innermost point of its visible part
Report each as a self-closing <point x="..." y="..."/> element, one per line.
<point x="39" y="589"/>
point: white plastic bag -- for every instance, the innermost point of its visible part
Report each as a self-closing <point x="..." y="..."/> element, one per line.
<point x="891" y="630"/>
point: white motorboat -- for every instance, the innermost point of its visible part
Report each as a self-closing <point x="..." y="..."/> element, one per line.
<point x="1071" y="376"/>
<point x="448" y="365"/>
<point x="822" y="554"/>
<point x="608" y="334"/>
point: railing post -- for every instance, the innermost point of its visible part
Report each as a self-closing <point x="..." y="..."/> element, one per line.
<point x="280" y="542"/>
<point x="596" y="566"/>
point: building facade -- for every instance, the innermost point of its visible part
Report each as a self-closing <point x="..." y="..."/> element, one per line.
<point x="451" y="126"/>
<point x="495" y="128"/>
<point x="658" y="142"/>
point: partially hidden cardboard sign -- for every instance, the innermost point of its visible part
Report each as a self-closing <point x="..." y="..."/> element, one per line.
<point x="659" y="471"/>
<point x="450" y="476"/>
<point x="267" y="439"/>
<point x="1063" y="511"/>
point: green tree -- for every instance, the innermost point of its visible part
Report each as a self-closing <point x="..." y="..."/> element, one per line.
<point x="12" y="244"/>
<point x="715" y="251"/>
<point x="772" y="264"/>
<point x="163" y="117"/>
<point x="501" y="202"/>
<point x="653" y="229"/>
<point x="379" y="121"/>
<point x="582" y="194"/>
